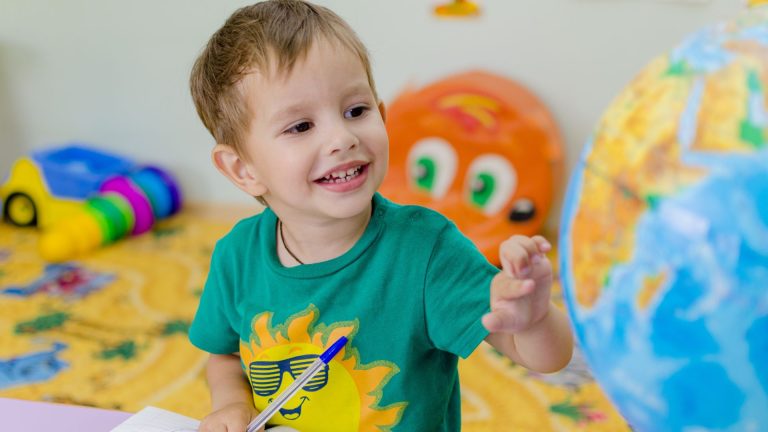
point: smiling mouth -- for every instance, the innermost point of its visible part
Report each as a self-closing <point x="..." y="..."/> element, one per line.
<point x="293" y="413"/>
<point x="342" y="176"/>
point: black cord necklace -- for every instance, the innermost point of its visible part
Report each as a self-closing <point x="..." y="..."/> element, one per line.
<point x="285" y="245"/>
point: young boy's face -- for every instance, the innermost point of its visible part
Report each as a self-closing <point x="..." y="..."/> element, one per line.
<point x="317" y="145"/>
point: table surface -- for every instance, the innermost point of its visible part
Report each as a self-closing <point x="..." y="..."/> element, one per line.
<point x="27" y="416"/>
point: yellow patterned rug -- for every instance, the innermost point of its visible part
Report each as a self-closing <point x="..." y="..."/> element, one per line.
<point x="109" y="330"/>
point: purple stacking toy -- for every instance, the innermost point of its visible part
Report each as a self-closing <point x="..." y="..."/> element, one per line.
<point x="142" y="209"/>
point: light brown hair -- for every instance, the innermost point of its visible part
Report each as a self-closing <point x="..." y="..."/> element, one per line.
<point x="273" y="32"/>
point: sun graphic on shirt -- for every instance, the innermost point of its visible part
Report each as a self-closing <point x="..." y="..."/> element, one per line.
<point x="344" y="396"/>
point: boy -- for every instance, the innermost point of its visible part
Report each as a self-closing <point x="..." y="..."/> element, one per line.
<point x="285" y="88"/>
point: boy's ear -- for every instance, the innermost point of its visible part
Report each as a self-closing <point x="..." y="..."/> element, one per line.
<point x="237" y="170"/>
<point x="383" y="111"/>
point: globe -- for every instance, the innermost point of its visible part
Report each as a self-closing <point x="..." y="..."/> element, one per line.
<point x="664" y="237"/>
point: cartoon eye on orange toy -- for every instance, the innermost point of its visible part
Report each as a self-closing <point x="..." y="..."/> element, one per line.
<point x="480" y="149"/>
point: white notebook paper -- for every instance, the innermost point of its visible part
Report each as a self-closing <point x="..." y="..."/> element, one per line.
<point x="153" y="419"/>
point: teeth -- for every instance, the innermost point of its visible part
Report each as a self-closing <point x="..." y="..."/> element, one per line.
<point x="342" y="176"/>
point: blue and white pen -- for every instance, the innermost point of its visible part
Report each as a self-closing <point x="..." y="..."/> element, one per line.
<point x="305" y="376"/>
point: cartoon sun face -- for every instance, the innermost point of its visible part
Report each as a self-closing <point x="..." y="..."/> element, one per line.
<point x="343" y="396"/>
<point x="481" y="150"/>
<point x="273" y="370"/>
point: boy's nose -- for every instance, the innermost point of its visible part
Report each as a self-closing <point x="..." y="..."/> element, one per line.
<point x="341" y="139"/>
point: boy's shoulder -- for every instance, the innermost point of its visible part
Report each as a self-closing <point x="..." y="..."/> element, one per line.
<point x="251" y="222"/>
<point x="244" y="231"/>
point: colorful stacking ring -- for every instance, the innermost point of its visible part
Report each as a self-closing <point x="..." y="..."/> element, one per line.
<point x="114" y="222"/>
<point x="154" y="188"/>
<point x="125" y="210"/>
<point x="171" y="185"/>
<point x="116" y="212"/>
<point x="142" y="209"/>
<point x="108" y="232"/>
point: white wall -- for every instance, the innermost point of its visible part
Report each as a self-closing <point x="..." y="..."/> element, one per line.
<point x="115" y="72"/>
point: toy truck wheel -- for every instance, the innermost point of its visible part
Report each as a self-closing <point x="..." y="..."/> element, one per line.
<point x="20" y="210"/>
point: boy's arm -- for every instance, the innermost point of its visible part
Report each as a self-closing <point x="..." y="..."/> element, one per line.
<point x="226" y="381"/>
<point x="231" y="395"/>
<point x="523" y="323"/>
<point x="544" y="347"/>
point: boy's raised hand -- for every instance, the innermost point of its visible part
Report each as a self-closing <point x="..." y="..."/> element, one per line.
<point x="520" y="293"/>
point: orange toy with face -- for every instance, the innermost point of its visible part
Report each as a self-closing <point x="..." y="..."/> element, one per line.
<point x="480" y="149"/>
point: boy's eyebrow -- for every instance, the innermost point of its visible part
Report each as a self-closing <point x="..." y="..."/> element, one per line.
<point x="360" y="87"/>
<point x="289" y="111"/>
<point x="296" y="109"/>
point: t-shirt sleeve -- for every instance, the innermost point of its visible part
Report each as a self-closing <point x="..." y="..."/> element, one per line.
<point x="213" y="328"/>
<point x="457" y="293"/>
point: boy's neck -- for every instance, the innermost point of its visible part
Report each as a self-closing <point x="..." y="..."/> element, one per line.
<point x="312" y="241"/>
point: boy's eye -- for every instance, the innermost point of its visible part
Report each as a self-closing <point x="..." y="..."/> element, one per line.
<point x="355" y="112"/>
<point x="299" y="128"/>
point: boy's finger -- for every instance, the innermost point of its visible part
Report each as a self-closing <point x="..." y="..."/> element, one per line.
<point x="542" y="244"/>
<point x="530" y="246"/>
<point x="506" y="288"/>
<point x="492" y="322"/>
<point x="236" y="427"/>
<point x="513" y="261"/>
<point x="501" y="320"/>
<point x="515" y="255"/>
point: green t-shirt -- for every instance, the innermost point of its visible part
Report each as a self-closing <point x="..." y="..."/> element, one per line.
<point x="409" y="296"/>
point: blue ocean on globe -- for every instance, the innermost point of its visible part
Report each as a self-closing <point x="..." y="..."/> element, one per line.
<point x="701" y="359"/>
